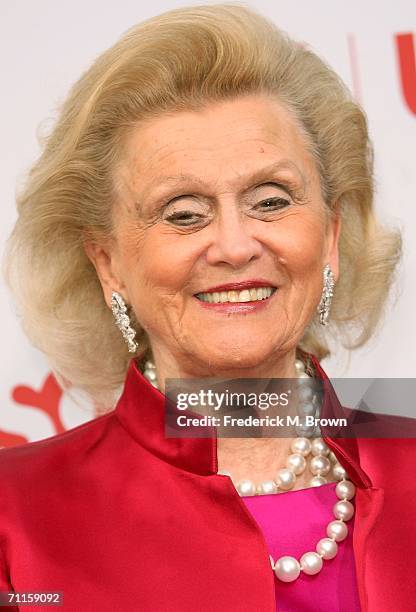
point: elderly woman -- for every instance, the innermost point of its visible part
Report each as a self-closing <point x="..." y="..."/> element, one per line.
<point x="203" y="209"/>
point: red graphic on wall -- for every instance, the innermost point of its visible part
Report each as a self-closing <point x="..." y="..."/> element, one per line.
<point x="11" y="439"/>
<point x="46" y="399"/>
<point x="406" y="52"/>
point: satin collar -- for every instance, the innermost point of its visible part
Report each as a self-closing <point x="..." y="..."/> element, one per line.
<point x="141" y="411"/>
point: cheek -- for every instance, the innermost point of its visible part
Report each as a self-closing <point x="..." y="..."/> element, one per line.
<point x="161" y="263"/>
<point x="300" y="244"/>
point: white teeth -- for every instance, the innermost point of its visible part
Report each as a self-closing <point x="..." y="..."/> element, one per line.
<point x="246" y="295"/>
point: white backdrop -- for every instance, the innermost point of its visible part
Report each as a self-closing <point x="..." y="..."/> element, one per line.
<point x="44" y="47"/>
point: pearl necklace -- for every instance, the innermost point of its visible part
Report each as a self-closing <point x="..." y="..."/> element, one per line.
<point x="321" y="462"/>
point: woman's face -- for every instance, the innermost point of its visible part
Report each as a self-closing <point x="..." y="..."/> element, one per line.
<point x="229" y="194"/>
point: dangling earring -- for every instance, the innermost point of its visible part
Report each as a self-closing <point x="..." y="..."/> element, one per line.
<point x="327" y="293"/>
<point x="119" y="308"/>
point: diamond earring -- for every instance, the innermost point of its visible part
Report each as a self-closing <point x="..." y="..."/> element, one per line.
<point x="327" y="293"/>
<point x="119" y="308"/>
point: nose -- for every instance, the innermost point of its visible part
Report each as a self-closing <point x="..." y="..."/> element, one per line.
<point x="233" y="241"/>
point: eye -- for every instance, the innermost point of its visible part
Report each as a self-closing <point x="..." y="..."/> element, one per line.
<point x="186" y="211"/>
<point x="184" y="218"/>
<point x="273" y="203"/>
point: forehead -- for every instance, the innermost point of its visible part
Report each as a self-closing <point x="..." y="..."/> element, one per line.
<point x="224" y="143"/>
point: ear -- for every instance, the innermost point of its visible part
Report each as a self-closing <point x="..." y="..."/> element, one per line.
<point x="332" y="241"/>
<point x="104" y="259"/>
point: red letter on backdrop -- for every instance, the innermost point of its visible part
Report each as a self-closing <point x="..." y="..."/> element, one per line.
<point x="407" y="67"/>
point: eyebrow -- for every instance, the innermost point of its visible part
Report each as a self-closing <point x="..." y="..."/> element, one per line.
<point x="255" y="178"/>
<point x="264" y="173"/>
<point x="259" y="175"/>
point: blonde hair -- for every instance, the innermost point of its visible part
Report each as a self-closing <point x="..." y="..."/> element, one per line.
<point x="181" y="60"/>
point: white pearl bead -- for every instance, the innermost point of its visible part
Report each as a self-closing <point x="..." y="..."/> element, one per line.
<point x="344" y="510"/>
<point x="296" y="463"/>
<point x="301" y="446"/>
<point x="317" y="408"/>
<point x="305" y="393"/>
<point x="317" y="481"/>
<point x="299" y="366"/>
<point x="246" y="487"/>
<point x="150" y="374"/>
<point x="337" y="530"/>
<point x="303" y="375"/>
<point x="317" y="433"/>
<point x="332" y="457"/>
<point x="339" y="472"/>
<point x="345" y="489"/>
<point x="319" y="447"/>
<point x="327" y="548"/>
<point x="320" y="465"/>
<point x="306" y="409"/>
<point x="311" y="563"/>
<point x="305" y="431"/>
<point x="285" y="479"/>
<point x="317" y="399"/>
<point x="266" y="487"/>
<point x="287" y="569"/>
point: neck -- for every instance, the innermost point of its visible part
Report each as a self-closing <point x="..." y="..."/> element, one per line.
<point x="258" y="459"/>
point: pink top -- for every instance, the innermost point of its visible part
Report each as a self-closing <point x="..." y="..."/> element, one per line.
<point x="292" y="524"/>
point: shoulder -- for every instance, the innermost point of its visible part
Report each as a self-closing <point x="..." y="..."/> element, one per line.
<point x="42" y="482"/>
<point x="43" y="459"/>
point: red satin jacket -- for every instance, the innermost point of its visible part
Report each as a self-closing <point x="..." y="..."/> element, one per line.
<point x="118" y="517"/>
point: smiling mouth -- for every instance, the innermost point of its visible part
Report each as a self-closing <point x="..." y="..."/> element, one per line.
<point x="246" y="295"/>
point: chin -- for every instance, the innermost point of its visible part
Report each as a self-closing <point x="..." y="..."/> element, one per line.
<point x="225" y="356"/>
